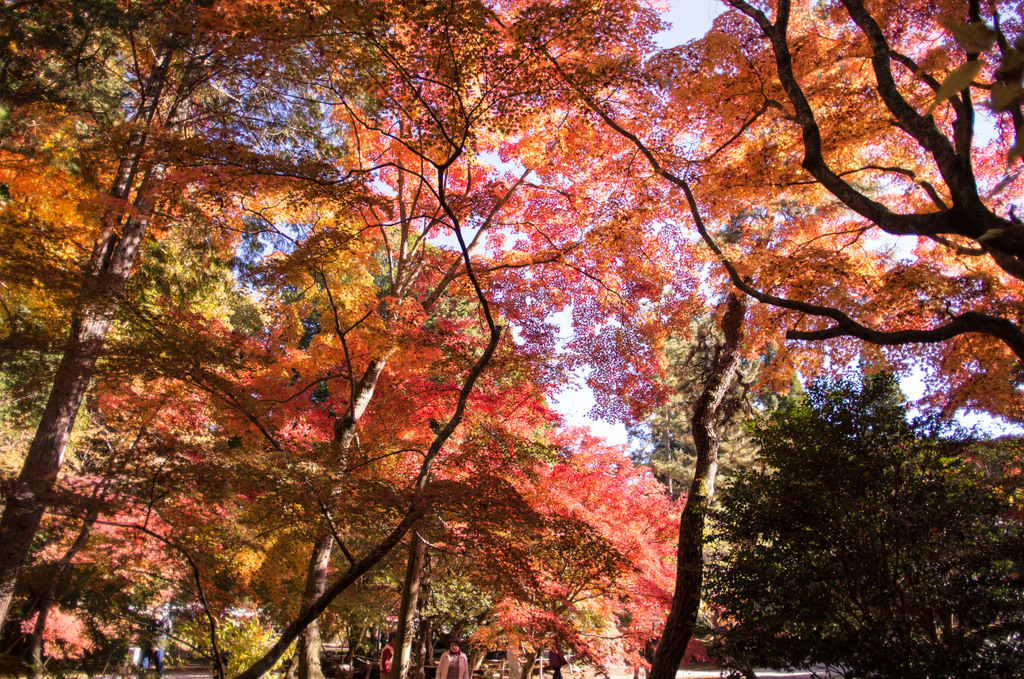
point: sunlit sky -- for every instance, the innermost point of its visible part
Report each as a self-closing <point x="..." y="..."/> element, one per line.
<point x="689" y="19"/>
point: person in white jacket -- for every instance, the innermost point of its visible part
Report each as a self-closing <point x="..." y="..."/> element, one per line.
<point x="453" y="664"/>
<point x="515" y="662"/>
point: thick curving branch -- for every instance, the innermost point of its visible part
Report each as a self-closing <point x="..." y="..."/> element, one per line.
<point x="953" y="165"/>
<point x="970" y="322"/>
<point x="968" y="216"/>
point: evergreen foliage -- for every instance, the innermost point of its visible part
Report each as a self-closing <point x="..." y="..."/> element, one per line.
<point x="663" y="441"/>
<point x="869" y="542"/>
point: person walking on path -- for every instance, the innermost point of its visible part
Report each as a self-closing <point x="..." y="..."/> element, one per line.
<point x="163" y="631"/>
<point x="386" y="654"/>
<point x="453" y="664"/>
<point x="556" y="661"/>
<point x="145" y="647"/>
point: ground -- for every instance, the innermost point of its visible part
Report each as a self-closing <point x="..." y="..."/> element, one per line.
<point x="615" y="672"/>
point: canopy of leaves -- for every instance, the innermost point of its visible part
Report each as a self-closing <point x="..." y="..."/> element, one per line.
<point x="823" y="176"/>
<point x="350" y="198"/>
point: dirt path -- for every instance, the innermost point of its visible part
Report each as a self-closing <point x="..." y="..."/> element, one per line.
<point x="625" y="672"/>
<point x="615" y="672"/>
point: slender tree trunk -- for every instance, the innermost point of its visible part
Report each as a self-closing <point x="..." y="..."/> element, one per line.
<point x="407" y="609"/>
<point x="353" y="646"/>
<point x="316" y="578"/>
<point x="528" y="662"/>
<point x="362" y="394"/>
<point x="430" y="640"/>
<point x="106" y="275"/>
<point x="476" y="659"/>
<point x="421" y="648"/>
<point x="35" y="651"/>
<point x="671" y="458"/>
<point x="316" y="583"/>
<point x="682" y="615"/>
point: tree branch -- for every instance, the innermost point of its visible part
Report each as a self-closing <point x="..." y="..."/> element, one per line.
<point x="970" y="322"/>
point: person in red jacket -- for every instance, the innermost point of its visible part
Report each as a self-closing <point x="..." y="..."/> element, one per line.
<point x="386" y="654"/>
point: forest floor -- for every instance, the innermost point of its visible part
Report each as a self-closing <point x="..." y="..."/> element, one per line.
<point x="626" y="672"/>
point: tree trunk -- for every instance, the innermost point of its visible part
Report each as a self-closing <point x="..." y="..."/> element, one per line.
<point x="421" y="649"/>
<point x="316" y="583"/>
<point x="528" y="663"/>
<point x="353" y="646"/>
<point x="476" y="659"/>
<point x="408" y="607"/>
<point x="682" y="615"/>
<point x="106" y="275"/>
<point x="362" y="394"/>
<point x="316" y="579"/>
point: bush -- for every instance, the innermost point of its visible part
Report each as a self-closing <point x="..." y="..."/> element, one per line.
<point x="241" y="639"/>
<point x="868" y="543"/>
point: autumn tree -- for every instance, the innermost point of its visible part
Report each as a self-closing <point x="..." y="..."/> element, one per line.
<point x="433" y="119"/>
<point x="388" y="320"/>
<point x="885" y="195"/>
<point x="600" y="572"/>
<point x="915" y="166"/>
<point x="762" y="101"/>
<point x="414" y="105"/>
<point x="25" y="505"/>
<point x="112" y="173"/>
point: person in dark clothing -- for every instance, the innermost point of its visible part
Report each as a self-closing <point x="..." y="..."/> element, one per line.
<point x="556" y="661"/>
<point x="145" y="648"/>
<point x="162" y="630"/>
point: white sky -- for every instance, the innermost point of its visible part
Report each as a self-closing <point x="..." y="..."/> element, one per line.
<point x="690" y="19"/>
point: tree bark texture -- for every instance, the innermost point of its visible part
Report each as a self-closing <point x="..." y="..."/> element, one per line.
<point x="316" y="583"/>
<point x="49" y="597"/>
<point x="682" y="615"/>
<point x="353" y="646"/>
<point x="422" y="647"/>
<point x="316" y="579"/>
<point x="528" y="663"/>
<point x="407" y="610"/>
